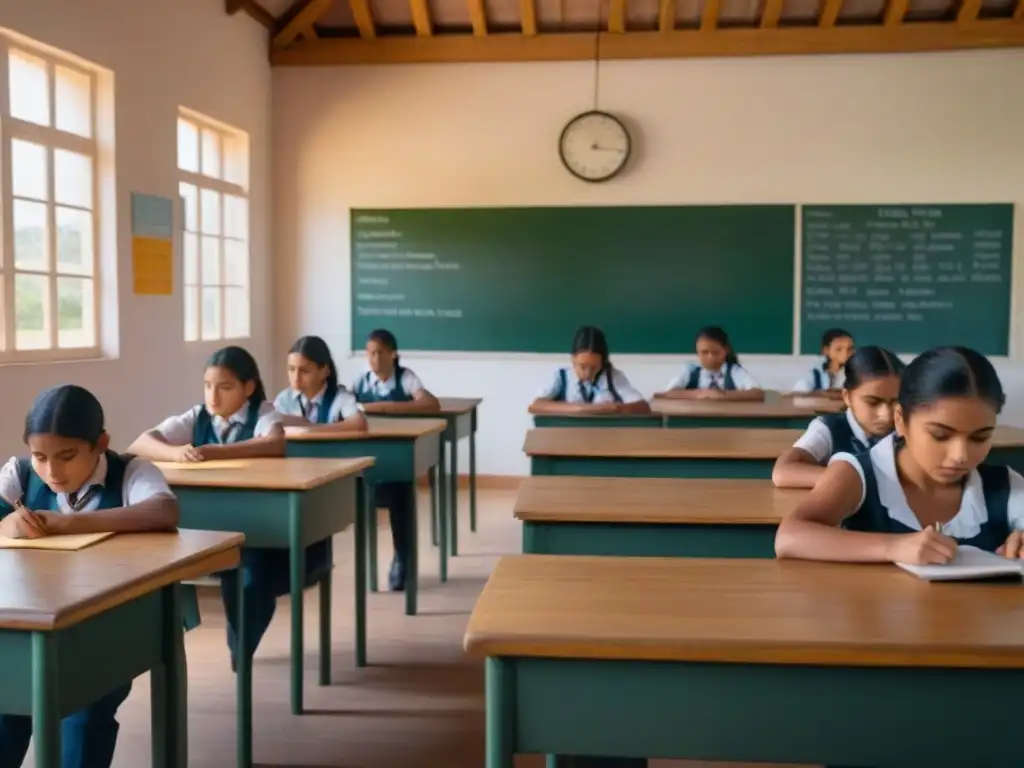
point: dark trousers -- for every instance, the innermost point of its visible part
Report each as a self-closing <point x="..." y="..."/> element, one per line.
<point x="398" y="498"/>
<point x="266" y="576"/>
<point x="88" y="736"/>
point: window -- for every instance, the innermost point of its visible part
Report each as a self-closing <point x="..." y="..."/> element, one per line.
<point x="213" y="172"/>
<point x="49" y="221"/>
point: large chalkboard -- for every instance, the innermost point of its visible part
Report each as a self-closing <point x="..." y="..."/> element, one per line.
<point x="523" y="279"/>
<point x="908" y="277"/>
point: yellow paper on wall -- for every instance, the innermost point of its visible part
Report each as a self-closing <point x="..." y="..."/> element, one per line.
<point x="153" y="266"/>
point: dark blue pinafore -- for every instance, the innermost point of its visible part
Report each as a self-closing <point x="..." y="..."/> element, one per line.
<point x="843" y="438"/>
<point x="89" y="735"/>
<point x="727" y="381"/>
<point x="587" y="394"/>
<point x="265" y="573"/>
<point x="324" y="410"/>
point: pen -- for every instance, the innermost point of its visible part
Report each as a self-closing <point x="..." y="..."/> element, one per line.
<point x="938" y="527"/>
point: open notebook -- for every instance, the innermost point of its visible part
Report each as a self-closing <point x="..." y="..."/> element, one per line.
<point x="68" y="543"/>
<point x="970" y="563"/>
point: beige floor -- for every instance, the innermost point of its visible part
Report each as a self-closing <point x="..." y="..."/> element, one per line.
<point x="418" y="705"/>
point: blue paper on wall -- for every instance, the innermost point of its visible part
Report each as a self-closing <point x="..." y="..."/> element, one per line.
<point x="152" y="216"/>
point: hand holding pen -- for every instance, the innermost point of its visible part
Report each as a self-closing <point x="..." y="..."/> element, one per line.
<point x="22" y="523"/>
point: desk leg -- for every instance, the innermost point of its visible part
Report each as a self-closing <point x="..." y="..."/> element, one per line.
<point x="45" y="709"/>
<point x="501" y="712"/>
<point x="453" y="501"/>
<point x="243" y="683"/>
<point x="168" y="698"/>
<point x="359" y="544"/>
<point x="324" y="590"/>
<point x="472" y="477"/>
<point x="412" y="572"/>
<point x="442" y="515"/>
<point x="298" y="574"/>
<point x="434" y="508"/>
<point x="371" y="535"/>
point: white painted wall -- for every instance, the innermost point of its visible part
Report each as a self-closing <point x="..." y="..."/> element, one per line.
<point x="163" y="55"/>
<point x="923" y="128"/>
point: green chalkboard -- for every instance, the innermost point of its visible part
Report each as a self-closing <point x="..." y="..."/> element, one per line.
<point x="523" y="279"/>
<point x="908" y="277"/>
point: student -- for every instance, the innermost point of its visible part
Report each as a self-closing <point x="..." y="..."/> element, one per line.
<point x="885" y="505"/>
<point x="718" y="376"/>
<point x="872" y="384"/>
<point x="73" y="483"/>
<point x="827" y="378"/>
<point x="314" y="395"/>
<point x="236" y="421"/>
<point x="387" y="387"/>
<point x="592" y="384"/>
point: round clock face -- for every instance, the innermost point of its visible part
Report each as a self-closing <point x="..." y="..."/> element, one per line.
<point x="594" y="146"/>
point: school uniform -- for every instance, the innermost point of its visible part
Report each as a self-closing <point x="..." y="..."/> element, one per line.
<point x="730" y="377"/>
<point x="991" y="507"/>
<point x="90" y="734"/>
<point x="400" y="387"/>
<point x="265" y="573"/>
<point x="610" y="386"/>
<point x="834" y="433"/>
<point x="820" y="380"/>
<point x="323" y="408"/>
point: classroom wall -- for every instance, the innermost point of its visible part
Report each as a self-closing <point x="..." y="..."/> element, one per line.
<point x="928" y="128"/>
<point x="163" y="55"/>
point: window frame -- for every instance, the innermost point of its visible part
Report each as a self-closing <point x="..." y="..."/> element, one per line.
<point x="14" y="129"/>
<point x="232" y="141"/>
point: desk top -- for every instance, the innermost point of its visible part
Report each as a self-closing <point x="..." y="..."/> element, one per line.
<point x="639" y="443"/>
<point x="1008" y="437"/>
<point x="262" y="474"/>
<point x="753" y="611"/>
<point x="48" y="590"/>
<point x="380" y="428"/>
<point x="653" y="500"/>
<point x="782" y="408"/>
<point x="458" y="405"/>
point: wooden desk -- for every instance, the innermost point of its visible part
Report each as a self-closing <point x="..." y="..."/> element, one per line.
<point x="748" y="661"/>
<point x="777" y="414"/>
<point x="75" y="625"/>
<point x="648" y="517"/>
<point x="648" y="420"/>
<point x="402" y="450"/>
<point x="285" y="504"/>
<point x="678" y="453"/>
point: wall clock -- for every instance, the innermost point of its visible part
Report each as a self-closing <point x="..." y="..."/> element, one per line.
<point x="594" y="146"/>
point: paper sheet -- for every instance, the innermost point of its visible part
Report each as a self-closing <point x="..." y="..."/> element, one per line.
<point x="69" y="543"/>
<point x="969" y="563"/>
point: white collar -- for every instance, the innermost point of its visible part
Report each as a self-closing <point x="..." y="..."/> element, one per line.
<point x="375" y="379"/>
<point x="316" y="399"/>
<point x="856" y="428"/>
<point x="969" y="518"/>
<point x="238" y="417"/>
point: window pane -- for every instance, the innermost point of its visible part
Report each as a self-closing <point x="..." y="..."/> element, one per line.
<point x="73" y="101"/>
<point x="188" y="146"/>
<point x="191" y="314"/>
<point x="191" y="259"/>
<point x="30" y="241"/>
<point x="236" y="312"/>
<point x="74" y="241"/>
<point x="190" y="198"/>
<point x="236" y="160"/>
<point x="211" y="313"/>
<point x="75" y="315"/>
<point x="236" y="263"/>
<point x="236" y="217"/>
<point x="72" y="178"/>
<point x="211" y="153"/>
<point x="30" y="88"/>
<point x="31" y="307"/>
<point x="211" y="261"/>
<point x="28" y="170"/>
<point x="210" y="210"/>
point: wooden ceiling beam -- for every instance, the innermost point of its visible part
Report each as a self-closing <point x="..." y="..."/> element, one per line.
<point x="478" y="17"/>
<point x="968" y="12"/>
<point x="617" y="17"/>
<point x="363" y="17"/>
<point x="303" y="21"/>
<point x="709" y="16"/>
<point x="771" y="13"/>
<point x="253" y="9"/>
<point x="1018" y="12"/>
<point x="421" y="18"/>
<point x="667" y="15"/>
<point x="782" y="41"/>
<point x="895" y="10"/>
<point x="528" y="17"/>
<point x="830" y="13"/>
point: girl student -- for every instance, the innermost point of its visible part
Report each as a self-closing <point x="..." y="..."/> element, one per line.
<point x="920" y="493"/>
<point x="388" y="387"/>
<point x="71" y="482"/>
<point x="235" y="421"/>
<point x="718" y="375"/>
<point x="313" y="395"/>
<point x="827" y="378"/>
<point x="872" y="384"/>
<point x="592" y="384"/>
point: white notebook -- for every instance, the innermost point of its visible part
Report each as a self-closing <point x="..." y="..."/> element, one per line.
<point x="969" y="563"/>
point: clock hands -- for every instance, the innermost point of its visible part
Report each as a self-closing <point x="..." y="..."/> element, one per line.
<point x="599" y="148"/>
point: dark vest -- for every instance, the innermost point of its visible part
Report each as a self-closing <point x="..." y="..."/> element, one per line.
<point x="324" y="409"/>
<point x="587" y="395"/>
<point x="365" y="393"/>
<point x="203" y="432"/>
<point x="36" y="494"/>
<point x="727" y="381"/>
<point x="843" y="439"/>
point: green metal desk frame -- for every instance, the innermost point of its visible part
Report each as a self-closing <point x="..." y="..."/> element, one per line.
<point x="397" y="460"/>
<point x="293" y="520"/>
<point x="770" y="713"/>
<point x="599" y="466"/>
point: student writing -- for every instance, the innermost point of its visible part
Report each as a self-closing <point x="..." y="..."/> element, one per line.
<point x="717" y="376"/>
<point x="872" y="383"/>
<point x="827" y="378"/>
<point x="388" y="387"/>
<point x="592" y="384"/>
<point x="883" y="506"/>
<point x="313" y="396"/>
<point x="71" y="482"/>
